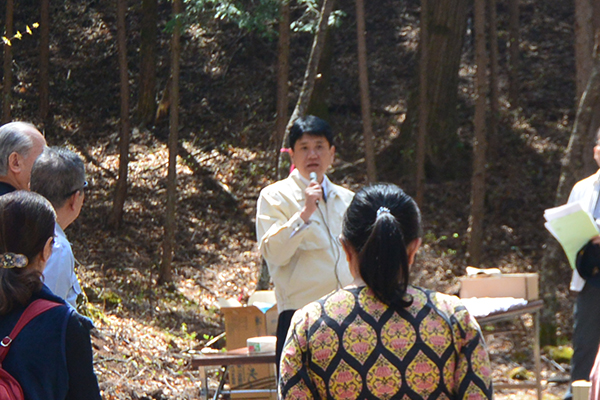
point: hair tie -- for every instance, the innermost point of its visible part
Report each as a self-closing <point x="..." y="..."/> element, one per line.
<point x="382" y="210"/>
<point x="12" y="260"/>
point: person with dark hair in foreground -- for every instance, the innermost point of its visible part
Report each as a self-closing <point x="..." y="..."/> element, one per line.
<point x="298" y="222"/>
<point x="379" y="337"/>
<point x="51" y="358"/>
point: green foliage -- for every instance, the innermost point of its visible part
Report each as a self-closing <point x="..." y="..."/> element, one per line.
<point x="310" y="18"/>
<point x="560" y="354"/>
<point x="261" y="16"/>
<point x="250" y="15"/>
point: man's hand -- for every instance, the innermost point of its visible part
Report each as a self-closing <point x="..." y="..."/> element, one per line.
<point x="595" y="240"/>
<point x="313" y="194"/>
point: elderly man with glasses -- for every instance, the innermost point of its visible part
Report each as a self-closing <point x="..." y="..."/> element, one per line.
<point x="59" y="175"/>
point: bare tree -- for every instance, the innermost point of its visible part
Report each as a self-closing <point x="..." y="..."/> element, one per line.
<point x="584" y="43"/>
<point x="283" y="72"/>
<point x="44" y="58"/>
<point x="311" y="69"/>
<point x="116" y="217"/>
<point x="146" y="107"/>
<point x="513" y="51"/>
<point x="447" y="21"/>
<point x="423" y="106"/>
<point x="494" y="94"/>
<point x="365" y="101"/>
<point x="169" y="237"/>
<point x="480" y="142"/>
<point x="7" y="81"/>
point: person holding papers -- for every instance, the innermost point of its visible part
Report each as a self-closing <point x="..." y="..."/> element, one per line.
<point x="586" y="329"/>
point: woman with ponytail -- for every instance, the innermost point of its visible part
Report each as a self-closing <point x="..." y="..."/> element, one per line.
<point x="379" y="337"/>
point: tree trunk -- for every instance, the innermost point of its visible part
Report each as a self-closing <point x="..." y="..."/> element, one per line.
<point x="318" y="103"/>
<point x="7" y="81"/>
<point x="554" y="266"/>
<point x="146" y="107"/>
<point x="365" y="102"/>
<point x="44" y="59"/>
<point x="513" y="52"/>
<point x="169" y="238"/>
<point x="584" y="44"/>
<point x="311" y="71"/>
<point x="116" y="217"/>
<point x="480" y="143"/>
<point x="494" y="94"/>
<point x="283" y="72"/>
<point x="423" y="104"/>
<point x="446" y="23"/>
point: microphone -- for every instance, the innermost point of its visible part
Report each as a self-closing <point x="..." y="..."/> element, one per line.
<point x="313" y="178"/>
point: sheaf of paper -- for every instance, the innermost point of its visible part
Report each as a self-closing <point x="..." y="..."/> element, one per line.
<point x="572" y="227"/>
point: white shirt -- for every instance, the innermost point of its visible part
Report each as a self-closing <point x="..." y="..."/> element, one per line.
<point x="586" y="192"/>
<point x="59" y="274"/>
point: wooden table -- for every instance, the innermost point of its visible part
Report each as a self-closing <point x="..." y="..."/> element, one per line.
<point x="532" y="307"/>
<point x="223" y="361"/>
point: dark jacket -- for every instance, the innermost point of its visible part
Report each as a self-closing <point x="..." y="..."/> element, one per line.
<point x="6" y="188"/>
<point x="52" y="356"/>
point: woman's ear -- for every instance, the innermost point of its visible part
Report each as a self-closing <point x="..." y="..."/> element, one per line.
<point x="411" y="250"/>
<point x="47" y="252"/>
<point x="351" y="257"/>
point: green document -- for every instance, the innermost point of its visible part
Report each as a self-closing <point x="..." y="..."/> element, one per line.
<point x="572" y="229"/>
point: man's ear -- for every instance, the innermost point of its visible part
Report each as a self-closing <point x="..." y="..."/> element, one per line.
<point x="72" y="200"/>
<point x="14" y="162"/>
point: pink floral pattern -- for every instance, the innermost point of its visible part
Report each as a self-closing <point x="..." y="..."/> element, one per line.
<point x="349" y="345"/>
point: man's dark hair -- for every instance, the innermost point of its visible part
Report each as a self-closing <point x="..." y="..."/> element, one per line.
<point x="57" y="174"/>
<point x="310" y="125"/>
<point x="379" y="223"/>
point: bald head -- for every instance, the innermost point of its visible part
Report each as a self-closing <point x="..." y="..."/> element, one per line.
<point x="20" y="145"/>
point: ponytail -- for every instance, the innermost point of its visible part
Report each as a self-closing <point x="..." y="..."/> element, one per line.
<point x="379" y="224"/>
<point x="383" y="261"/>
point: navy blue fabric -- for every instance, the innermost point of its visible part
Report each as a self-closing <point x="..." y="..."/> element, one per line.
<point x="52" y="357"/>
<point x="6" y="188"/>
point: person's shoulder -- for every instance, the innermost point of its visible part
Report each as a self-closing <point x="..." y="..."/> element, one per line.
<point x="344" y="193"/>
<point x="588" y="181"/>
<point x="446" y="303"/>
<point x="282" y="189"/>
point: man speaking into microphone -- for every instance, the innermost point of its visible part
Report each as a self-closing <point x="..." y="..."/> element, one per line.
<point x="299" y="221"/>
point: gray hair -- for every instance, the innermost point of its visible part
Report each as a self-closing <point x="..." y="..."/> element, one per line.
<point x="14" y="139"/>
<point x="57" y="174"/>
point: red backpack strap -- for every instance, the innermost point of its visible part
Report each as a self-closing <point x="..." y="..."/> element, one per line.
<point x="33" y="310"/>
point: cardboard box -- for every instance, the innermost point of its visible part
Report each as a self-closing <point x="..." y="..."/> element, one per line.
<point x="520" y="286"/>
<point x="258" y="318"/>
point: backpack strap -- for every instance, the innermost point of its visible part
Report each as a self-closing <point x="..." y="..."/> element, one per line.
<point x="36" y="308"/>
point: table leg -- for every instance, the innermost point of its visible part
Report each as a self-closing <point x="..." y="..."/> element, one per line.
<point x="204" y="381"/>
<point x="536" y="355"/>
<point x="221" y="382"/>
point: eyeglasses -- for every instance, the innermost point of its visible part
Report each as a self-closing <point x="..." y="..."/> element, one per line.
<point x="85" y="184"/>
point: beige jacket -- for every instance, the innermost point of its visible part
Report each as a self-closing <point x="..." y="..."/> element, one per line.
<point x="306" y="261"/>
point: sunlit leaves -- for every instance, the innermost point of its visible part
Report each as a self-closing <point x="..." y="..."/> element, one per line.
<point x="8" y="41"/>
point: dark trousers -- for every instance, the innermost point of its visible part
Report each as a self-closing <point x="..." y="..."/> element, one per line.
<point x="283" y="324"/>
<point x="586" y="332"/>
